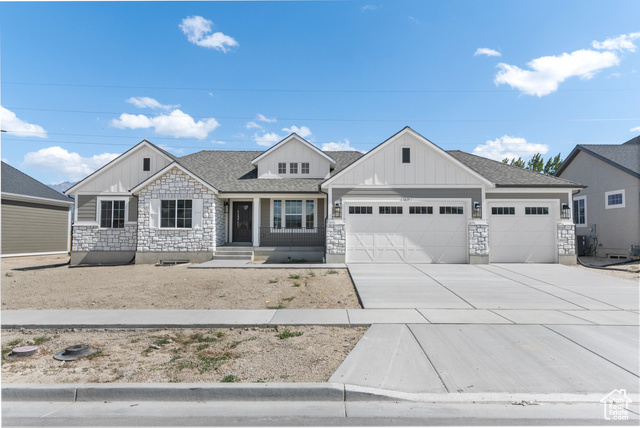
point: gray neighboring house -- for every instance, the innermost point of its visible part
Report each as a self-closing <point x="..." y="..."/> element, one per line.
<point x="606" y="213"/>
<point x="407" y="200"/>
<point x="36" y="220"/>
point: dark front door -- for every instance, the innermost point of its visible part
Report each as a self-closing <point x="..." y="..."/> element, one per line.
<point x="242" y="214"/>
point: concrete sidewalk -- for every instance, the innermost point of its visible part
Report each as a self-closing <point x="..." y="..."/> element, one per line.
<point x="175" y="318"/>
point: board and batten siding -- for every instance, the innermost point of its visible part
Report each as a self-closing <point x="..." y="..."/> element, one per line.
<point x="125" y="174"/>
<point x="33" y="228"/>
<point x="413" y="193"/>
<point x="384" y="167"/>
<point x="563" y="197"/>
<point x="87" y="208"/>
<point x="293" y="151"/>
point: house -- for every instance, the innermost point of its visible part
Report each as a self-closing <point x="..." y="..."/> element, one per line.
<point x="606" y="211"/>
<point x="36" y="220"/>
<point x="406" y="200"/>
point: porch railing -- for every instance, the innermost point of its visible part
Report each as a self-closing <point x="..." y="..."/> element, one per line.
<point x="270" y="237"/>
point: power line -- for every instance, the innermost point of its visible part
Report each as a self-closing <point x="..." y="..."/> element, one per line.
<point x="307" y="90"/>
<point x="310" y="119"/>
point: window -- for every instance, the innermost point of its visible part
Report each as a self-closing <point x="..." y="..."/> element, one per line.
<point x="282" y="168"/>
<point x="277" y="214"/>
<point x="293" y="168"/>
<point x="420" y="210"/>
<point x="536" y="210"/>
<point x="451" y="210"/>
<point x="146" y="164"/>
<point x="293" y="214"/>
<point x="614" y="199"/>
<point x="503" y="210"/>
<point x="360" y="210"/>
<point x="580" y="211"/>
<point x="176" y="213"/>
<point x="309" y="214"/>
<point x="305" y="167"/>
<point x="112" y="214"/>
<point x="390" y="210"/>
<point x="406" y="155"/>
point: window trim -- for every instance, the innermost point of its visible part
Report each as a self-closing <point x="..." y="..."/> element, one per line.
<point x="363" y="209"/>
<point x="174" y="227"/>
<point x="577" y="199"/>
<point x="101" y="199"/>
<point x="402" y="155"/>
<point x="284" y="168"/>
<point x="291" y="168"/>
<point x="613" y="206"/>
<point x="302" y="168"/>
<point x="283" y="219"/>
<point x="146" y="164"/>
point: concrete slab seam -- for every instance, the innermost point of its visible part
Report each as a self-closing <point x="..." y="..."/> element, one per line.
<point x="427" y="356"/>
<point x="589" y="350"/>
<point x="355" y="287"/>
<point x="562" y="288"/>
<point x="501" y="316"/>
<point x="444" y="286"/>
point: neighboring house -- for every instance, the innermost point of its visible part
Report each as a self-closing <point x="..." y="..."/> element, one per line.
<point x="406" y="200"/>
<point x="36" y="219"/>
<point x="606" y="212"/>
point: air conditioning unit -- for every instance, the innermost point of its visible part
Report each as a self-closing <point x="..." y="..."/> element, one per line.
<point x="584" y="242"/>
<point x="634" y="251"/>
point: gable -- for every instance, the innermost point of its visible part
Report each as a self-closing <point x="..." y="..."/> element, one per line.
<point x="293" y="151"/>
<point x="383" y="166"/>
<point x="124" y="172"/>
<point x="596" y="174"/>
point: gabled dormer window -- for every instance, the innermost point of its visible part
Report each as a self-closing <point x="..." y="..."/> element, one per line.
<point x="282" y="168"/>
<point x="293" y="168"/>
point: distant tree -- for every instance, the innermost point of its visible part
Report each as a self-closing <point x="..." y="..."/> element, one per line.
<point x="537" y="163"/>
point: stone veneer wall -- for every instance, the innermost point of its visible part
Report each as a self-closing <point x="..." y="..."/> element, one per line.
<point x="478" y="239"/>
<point x="177" y="185"/>
<point x="566" y="239"/>
<point x="92" y="238"/>
<point x="336" y="237"/>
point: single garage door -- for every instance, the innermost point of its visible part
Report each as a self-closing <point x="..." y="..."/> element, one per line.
<point x="406" y="232"/>
<point x="522" y="232"/>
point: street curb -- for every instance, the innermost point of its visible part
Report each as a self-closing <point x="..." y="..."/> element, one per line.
<point x="174" y="392"/>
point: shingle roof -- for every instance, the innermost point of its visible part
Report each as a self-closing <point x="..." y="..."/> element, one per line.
<point x="623" y="156"/>
<point x="504" y="175"/>
<point x="231" y="171"/>
<point x="19" y="183"/>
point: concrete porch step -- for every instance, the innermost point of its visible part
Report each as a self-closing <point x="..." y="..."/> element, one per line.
<point x="232" y="256"/>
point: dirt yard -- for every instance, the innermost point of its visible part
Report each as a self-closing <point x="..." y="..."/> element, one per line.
<point x="624" y="271"/>
<point x="292" y="354"/>
<point x="37" y="283"/>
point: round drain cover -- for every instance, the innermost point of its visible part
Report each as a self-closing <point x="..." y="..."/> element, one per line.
<point x="22" y="351"/>
<point x="74" y="352"/>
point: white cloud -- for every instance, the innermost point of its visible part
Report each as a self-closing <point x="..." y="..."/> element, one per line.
<point x="198" y="31"/>
<point x="14" y="126"/>
<point x="487" y="52"/>
<point x="303" y="132"/>
<point x="171" y="149"/>
<point x="636" y="129"/>
<point x="218" y="142"/>
<point x="146" y="102"/>
<point x="548" y="72"/>
<point x="70" y="165"/>
<point x="336" y="147"/>
<point x="267" y="139"/>
<point x="414" y="20"/>
<point x="263" y="118"/>
<point x="175" y="124"/>
<point x="251" y="125"/>
<point x="509" y="147"/>
<point x="621" y="43"/>
<point x="367" y="7"/>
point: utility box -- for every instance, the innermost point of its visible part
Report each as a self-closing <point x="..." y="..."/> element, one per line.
<point x="584" y="244"/>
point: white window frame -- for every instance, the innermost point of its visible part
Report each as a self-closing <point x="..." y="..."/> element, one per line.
<point x="302" y="168"/>
<point x="304" y="212"/>
<point x="402" y="155"/>
<point x="285" y="167"/>
<point x="101" y="199"/>
<point x="614" y="192"/>
<point x="291" y="164"/>
<point x="582" y="198"/>
<point x="176" y="214"/>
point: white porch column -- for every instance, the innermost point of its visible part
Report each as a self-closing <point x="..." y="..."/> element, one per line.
<point x="256" y="222"/>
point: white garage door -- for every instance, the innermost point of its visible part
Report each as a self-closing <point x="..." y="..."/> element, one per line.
<point x="522" y="232"/>
<point x="406" y="232"/>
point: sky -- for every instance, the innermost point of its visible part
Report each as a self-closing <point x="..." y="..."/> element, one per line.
<point x="82" y="82"/>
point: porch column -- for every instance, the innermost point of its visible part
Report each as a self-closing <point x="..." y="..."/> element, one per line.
<point x="256" y="222"/>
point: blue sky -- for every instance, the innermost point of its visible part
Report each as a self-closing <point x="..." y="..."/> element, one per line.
<point x="84" y="82"/>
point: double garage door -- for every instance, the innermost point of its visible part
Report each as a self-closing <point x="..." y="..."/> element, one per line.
<point x="522" y="232"/>
<point x="406" y="232"/>
<point x="436" y="232"/>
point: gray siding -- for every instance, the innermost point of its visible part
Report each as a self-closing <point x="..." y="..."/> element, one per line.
<point x="33" y="228"/>
<point x="474" y="194"/>
<point x="265" y="211"/>
<point x="133" y="208"/>
<point x="562" y="196"/>
<point x="87" y="208"/>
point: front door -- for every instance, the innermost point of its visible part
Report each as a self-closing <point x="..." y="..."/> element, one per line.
<point x="242" y="215"/>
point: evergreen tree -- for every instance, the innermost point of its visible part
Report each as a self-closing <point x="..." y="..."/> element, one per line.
<point x="537" y="164"/>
